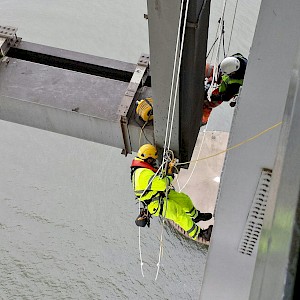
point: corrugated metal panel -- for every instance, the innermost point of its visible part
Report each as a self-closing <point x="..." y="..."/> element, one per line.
<point x="255" y="220"/>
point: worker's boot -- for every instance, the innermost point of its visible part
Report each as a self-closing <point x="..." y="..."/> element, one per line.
<point x="202" y="217"/>
<point x="206" y="233"/>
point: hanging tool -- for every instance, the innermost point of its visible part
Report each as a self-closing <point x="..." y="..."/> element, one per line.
<point x="143" y="218"/>
<point x="145" y="109"/>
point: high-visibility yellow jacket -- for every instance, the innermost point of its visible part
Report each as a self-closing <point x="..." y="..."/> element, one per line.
<point x="151" y="189"/>
<point x="146" y="184"/>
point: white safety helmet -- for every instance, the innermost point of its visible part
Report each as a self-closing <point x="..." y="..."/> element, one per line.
<point x="230" y="64"/>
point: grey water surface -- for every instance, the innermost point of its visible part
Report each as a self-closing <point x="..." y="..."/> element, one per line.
<point x="67" y="209"/>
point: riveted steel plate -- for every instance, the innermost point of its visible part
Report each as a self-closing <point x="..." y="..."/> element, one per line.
<point x="8" y="31"/>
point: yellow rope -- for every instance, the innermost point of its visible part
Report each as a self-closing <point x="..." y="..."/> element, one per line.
<point x="142" y="128"/>
<point x="235" y="146"/>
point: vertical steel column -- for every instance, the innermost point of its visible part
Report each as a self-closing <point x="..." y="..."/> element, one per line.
<point x="164" y="24"/>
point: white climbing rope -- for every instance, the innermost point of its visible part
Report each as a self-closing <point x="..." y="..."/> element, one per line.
<point x="140" y="250"/>
<point x="170" y="121"/>
<point x="219" y="34"/>
<point x="149" y="184"/>
<point x="171" y="100"/>
<point x="217" y="58"/>
<point x="167" y="130"/>
<point x="171" y="113"/>
<point x="234" y="15"/>
<point x="172" y="104"/>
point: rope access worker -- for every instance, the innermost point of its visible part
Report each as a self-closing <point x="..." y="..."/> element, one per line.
<point x="155" y="194"/>
<point x="232" y="70"/>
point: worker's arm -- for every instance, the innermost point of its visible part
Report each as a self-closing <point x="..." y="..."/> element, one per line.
<point x="231" y="91"/>
<point x="157" y="183"/>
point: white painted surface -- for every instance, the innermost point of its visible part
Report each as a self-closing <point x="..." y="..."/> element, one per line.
<point x="200" y="180"/>
<point x="228" y="274"/>
<point x="275" y="274"/>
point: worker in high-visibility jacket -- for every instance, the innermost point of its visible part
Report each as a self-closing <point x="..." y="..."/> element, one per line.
<point x="154" y="192"/>
<point x="232" y="71"/>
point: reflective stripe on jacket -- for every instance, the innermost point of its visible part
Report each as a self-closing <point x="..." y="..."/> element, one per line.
<point x="145" y="179"/>
<point x="230" y="84"/>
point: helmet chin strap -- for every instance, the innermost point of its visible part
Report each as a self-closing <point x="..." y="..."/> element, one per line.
<point x="151" y="161"/>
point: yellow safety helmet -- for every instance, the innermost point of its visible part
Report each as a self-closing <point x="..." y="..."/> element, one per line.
<point x="147" y="151"/>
